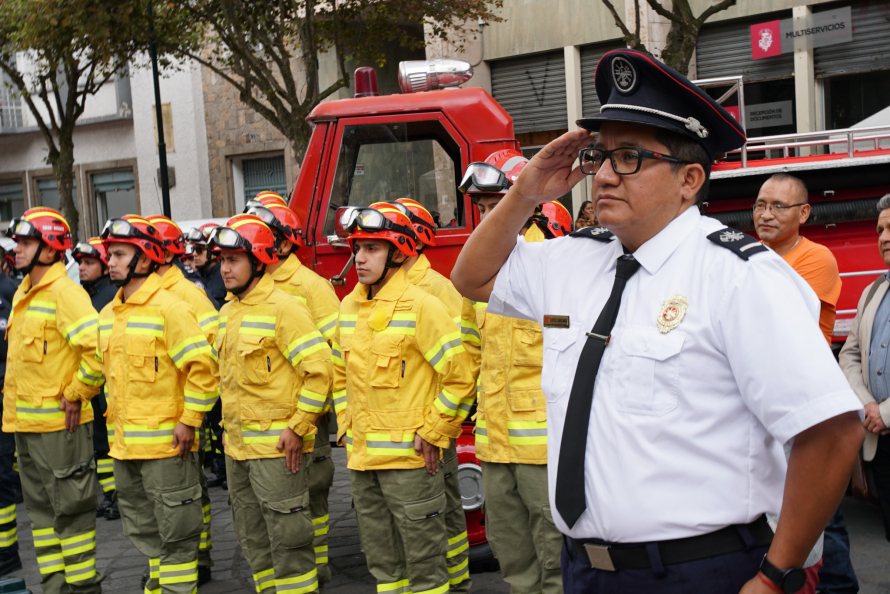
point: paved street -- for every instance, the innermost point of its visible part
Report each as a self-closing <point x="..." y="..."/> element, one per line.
<point x="124" y="565"/>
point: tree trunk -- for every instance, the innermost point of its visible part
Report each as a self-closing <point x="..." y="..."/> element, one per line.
<point x="63" y="171"/>
<point x="681" y="41"/>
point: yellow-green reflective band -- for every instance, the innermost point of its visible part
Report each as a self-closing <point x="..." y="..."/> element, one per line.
<point x="339" y="400"/>
<point x="305" y="346"/>
<point x="311" y="401"/>
<point x="447" y="403"/>
<point x="78" y="572"/>
<point x="8" y="537"/>
<point x="179" y="573"/>
<point x="321" y="525"/>
<point x="457" y="545"/>
<point x="477" y="305"/>
<point x="337" y="354"/>
<point x="155" y="591"/>
<point x="44" y="537"/>
<point x="110" y="436"/>
<point x="208" y="320"/>
<point x="527" y="433"/>
<point x="206" y="510"/>
<point x="470" y="332"/>
<point x="105" y="327"/>
<point x="349" y="440"/>
<point x="321" y="555"/>
<point x="466" y="405"/>
<point x="89" y="377"/>
<point x="85" y="324"/>
<point x="51" y="563"/>
<point x="297" y="585"/>
<point x="258" y="325"/>
<point x="445" y="348"/>
<point x="145" y="325"/>
<point x="264" y="579"/>
<point x="200" y="401"/>
<point x="255" y="434"/>
<point x="41" y="309"/>
<point x="459" y="572"/>
<point x="222" y="325"/>
<point x="400" y="587"/>
<point x="46" y="410"/>
<point x="440" y="590"/>
<point x="188" y="349"/>
<point x="141" y="434"/>
<point x="401" y="324"/>
<point x="380" y="444"/>
<point x="327" y="325"/>
<point x="205" y="541"/>
<point x="481" y="432"/>
<point x="104" y="465"/>
<point x="107" y="484"/>
<point x="347" y="323"/>
<point x="79" y="544"/>
<point x="7" y="514"/>
<point x="154" y="566"/>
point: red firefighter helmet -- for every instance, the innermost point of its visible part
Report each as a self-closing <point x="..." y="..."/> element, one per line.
<point x="557" y="219"/>
<point x="170" y="232"/>
<point x="92" y="248"/>
<point x="137" y="231"/>
<point x="280" y="218"/>
<point x="46" y="224"/>
<point x="381" y="221"/>
<point x="495" y="175"/>
<point x="245" y="233"/>
<point x="269" y="196"/>
<point x="421" y="219"/>
<point x="200" y="235"/>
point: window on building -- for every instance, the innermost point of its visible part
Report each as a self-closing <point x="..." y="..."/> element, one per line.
<point x="261" y="175"/>
<point x="114" y="193"/>
<point x="11" y="114"/>
<point x="384" y="162"/>
<point x="12" y="201"/>
<point x="48" y="194"/>
<point x="853" y="98"/>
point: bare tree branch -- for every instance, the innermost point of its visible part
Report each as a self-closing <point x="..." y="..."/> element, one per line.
<point x="715" y="8"/>
<point x="619" y="23"/>
<point x="662" y="11"/>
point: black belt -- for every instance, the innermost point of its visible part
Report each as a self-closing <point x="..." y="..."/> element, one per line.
<point x="732" y="539"/>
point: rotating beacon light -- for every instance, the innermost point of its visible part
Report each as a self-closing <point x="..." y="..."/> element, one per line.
<point x="417" y="76"/>
<point x="365" y="82"/>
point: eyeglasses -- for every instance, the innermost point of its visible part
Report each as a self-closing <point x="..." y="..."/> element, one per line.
<point x="485" y="178"/>
<point x="760" y="207"/>
<point x="625" y="161"/>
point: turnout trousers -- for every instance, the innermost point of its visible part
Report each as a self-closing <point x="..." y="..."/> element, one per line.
<point x="321" y="478"/>
<point x="58" y="475"/>
<point x="520" y="528"/>
<point x="401" y="524"/>
<point x="270" y="512"/>
<point x="9" y="546"/>
<point x="455" y="526"/>
<point x="160" y="505"/>
<point x="104" y="463"/>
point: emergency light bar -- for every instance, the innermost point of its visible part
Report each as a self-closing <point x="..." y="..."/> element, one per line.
<point x="417" y="76"/>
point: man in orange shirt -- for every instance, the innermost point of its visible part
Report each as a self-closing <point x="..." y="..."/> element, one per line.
<point x="780" y="209"/>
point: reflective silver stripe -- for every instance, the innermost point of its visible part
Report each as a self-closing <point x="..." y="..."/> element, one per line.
<point x="200" y="401"/>
<point x="340" y="399"/>
<point x="459" y="543"/>
<point x="87" y="373"/>
<point x="465" y="407"/>
<point x="259" y="325"/>
<point x="336" y="353"/>
<point x="311" y="401"/>
<point x="209" y="320"/>
<point x="329" y="326"/>
<point x="481" y="431"/>
<point x="392" y="445"/>
<point x="445" y="348"/>
<point x="347" y="323"/>
<point x="187" y="349"/>
<point x="527" y="432"/>
<point x="470" y="331"/>
<point x="41" y="309"/>
<point x="300" y="347"/>
<point x="73" y="574"/>
<point x="45" y="540"/>
<point x="106" y="325"/>
<point x="79" y="328"/>
<point x="447" y="403"/>
<point x="178" y="572"/>
<point x="267" y="433"/>
<point x="38" y="411"/>
<point x="159" y="433"/>
<point x="145" y="325"/>
<point x="402" y="324"/>
<point x="296" y="586"/>
<point x="264" y="579"/>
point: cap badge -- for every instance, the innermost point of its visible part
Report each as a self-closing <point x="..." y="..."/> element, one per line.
<point x="624" y="75"/>
<point x="598" y="231"/>
<point x="672" y="311"/>
<point x="730" y="236"/>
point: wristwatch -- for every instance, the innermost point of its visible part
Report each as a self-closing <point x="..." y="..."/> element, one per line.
<point x="788" y="580"/>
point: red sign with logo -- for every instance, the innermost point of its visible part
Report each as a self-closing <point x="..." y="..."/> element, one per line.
<point x="733" y="111"/>
<point x="766" y="40"/>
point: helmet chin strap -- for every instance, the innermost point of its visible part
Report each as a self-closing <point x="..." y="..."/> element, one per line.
<point x="389" y="264"/>
<point x="131" y="271"/>
<point x="34" y="261"/>
<point x="255" y="272"/>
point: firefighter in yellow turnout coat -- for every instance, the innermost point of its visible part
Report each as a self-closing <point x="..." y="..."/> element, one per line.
<point x="162" y="376"/>
<point x="393" y="342"/>
<point x="317" y="293"/>
<point x="276" y="376"/>
<point x="51" y="376"/>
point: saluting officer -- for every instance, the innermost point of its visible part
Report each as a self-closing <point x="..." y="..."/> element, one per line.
<point x="668" y="407"/>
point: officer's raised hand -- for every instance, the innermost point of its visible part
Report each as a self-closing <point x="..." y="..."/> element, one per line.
<point x="292" y="445"/>
<point x="430" y="454"/>
<point x="552" y="172"/>
<point x="184" y="437"/>
<point x="72" y="413"/>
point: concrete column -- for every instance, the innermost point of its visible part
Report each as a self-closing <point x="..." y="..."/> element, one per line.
<point x="804" y="77"/>
<point x="574" y="110"/>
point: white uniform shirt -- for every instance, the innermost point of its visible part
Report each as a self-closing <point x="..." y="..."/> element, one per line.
<point x="686" y="428"/>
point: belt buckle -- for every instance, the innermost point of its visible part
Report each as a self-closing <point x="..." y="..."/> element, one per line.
<point x="599" y="555"/>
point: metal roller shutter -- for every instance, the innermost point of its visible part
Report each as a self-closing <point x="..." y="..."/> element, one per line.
<point x="724" y="49"/>
<point x="590" y="57"/>
<point x="870" y="48"/>
<point x="533" y="91"/>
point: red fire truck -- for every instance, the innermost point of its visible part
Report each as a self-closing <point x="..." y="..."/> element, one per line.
<point x="417" y="144"/>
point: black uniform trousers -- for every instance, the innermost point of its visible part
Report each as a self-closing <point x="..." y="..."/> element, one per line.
<point x="9" y="546"/>
<point x="725" y="574"/>
<point x="880" y="467"/>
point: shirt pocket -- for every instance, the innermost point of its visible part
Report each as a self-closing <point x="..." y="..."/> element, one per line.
<point x="33" y="346"/>
<point x="142" y="361"/>
<point x="647" y="376"/>
<point x="256" y="361"/>
<point x="558" y="362"/>
<point x="528" y="343"/>
<point x="386" y="361"/>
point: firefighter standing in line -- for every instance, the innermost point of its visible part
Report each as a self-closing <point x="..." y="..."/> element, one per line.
<point x="9" y="548"/>
<point x="174" y="280"/>
<point x="276" y="375"/>
<point x="92" y="264"/>
<point x="422" y="275"/>
<point x="393" y="342"/>
<point x="511" y="413"/>
<point x="318" y="294"/>
<point x="162" y="376"/>
<point x="51" y="377"/>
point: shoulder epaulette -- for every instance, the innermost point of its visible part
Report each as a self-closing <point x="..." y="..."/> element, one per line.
<point x="598" y="233"/>
<point x="742" y="245"/>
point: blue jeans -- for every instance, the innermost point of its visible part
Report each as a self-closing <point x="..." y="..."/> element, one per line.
<point x="837" y="575"/>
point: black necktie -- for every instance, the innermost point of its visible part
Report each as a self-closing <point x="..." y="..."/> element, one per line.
<point x="570" y="499"/>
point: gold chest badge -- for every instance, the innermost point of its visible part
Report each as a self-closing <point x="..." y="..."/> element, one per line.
<point x="672" y="311"/>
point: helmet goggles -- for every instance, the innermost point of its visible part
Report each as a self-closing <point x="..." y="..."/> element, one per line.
<point x="86" y="250"/>
<point x="226" y="238"/>
<point x="122" y="229"/>
<point x="22" y="228"/>
<point x="411" y="216"/>
<point x="367" y="219"/>
<point x="195" y="235"/>
<point x="482" y="177"/>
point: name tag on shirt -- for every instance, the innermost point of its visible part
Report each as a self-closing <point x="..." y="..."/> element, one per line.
<point x="556" y="321"/>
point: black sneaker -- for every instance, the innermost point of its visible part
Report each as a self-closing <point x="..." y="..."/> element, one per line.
<point x="112" y="512"/>
<point x="215" y="481"/>
<point x="144" y="580"/>
<point x="203" y="575"/>
<point x="14" y="563"/>
<point x="107" y="502"/>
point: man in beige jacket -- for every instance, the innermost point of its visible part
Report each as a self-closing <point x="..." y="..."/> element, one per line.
<point x="865" y="360"/>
